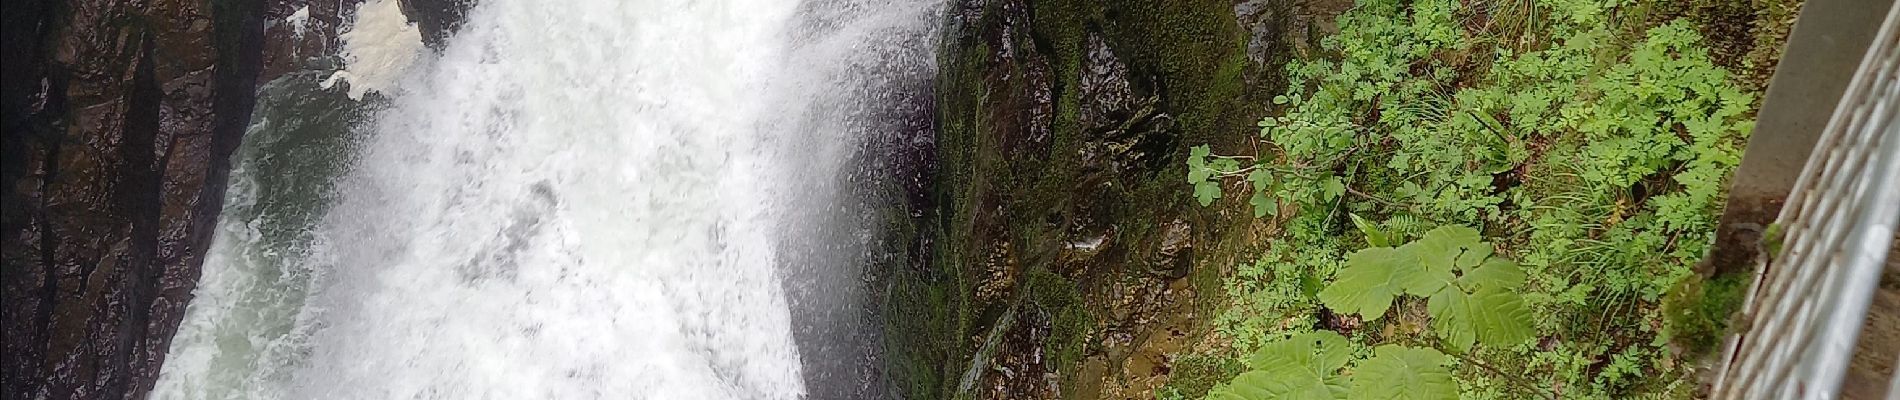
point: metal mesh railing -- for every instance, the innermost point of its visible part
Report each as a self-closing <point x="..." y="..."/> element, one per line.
<point x="1804" y="313"/>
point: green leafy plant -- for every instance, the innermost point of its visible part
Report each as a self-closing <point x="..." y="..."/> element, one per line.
<point x="1594" y="147"/>
<point x="1399" y="372"/>
<point x="1304" y="366"/>
<point x="1472" y="295"/>
<point x="1309" y="365"/>
<point x="1472" y="300"/>
<point x="1205" y="171"/>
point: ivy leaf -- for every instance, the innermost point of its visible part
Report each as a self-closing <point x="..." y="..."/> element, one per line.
<point x="1492" y="316"/>
<point x="1261" y="178"/>
<point x="1371" y="278"/>
<point x="1206" y="192"/>
<point x="1333" y="188"/>
<point x="1404" y="373"/>
<point x="1263" y="205"/>
<point x="1197" y="165"/>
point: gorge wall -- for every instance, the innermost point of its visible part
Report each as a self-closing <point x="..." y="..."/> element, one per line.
<point x="119" y="122"/>
<point x="1059" y="253"/>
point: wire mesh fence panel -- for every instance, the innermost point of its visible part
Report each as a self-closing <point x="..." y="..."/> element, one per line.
<point x="1827" y="249"/>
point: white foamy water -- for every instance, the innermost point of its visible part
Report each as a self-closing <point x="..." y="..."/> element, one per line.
<point x="574" y="200"/>
<point x="378" y="46"/>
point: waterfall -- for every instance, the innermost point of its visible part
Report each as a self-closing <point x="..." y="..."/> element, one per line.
<point x="572" y="200"/>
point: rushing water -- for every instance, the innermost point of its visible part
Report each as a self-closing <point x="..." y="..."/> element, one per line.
<point x="579" y="199"/>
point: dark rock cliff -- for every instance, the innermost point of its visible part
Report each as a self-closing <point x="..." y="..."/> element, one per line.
<point x="119" y="122"/>
<point x="436" y="18"/>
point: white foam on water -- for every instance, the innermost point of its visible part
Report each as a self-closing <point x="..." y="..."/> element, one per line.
<point x="299" y="21"/>
<point x="378" y="47"/>
<point x="569" y="205"/>
<point x="574" y="200"/>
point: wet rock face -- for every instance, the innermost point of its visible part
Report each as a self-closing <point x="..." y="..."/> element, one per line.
<point x="437" y="19"/>
<point x="117" y="137"/>
<point x="1063" y="124"/>
<point x="300" y="35"/>
<point x="119" y="122"/>
<point x="117" y="140"/>
<point x="1023" y="74"/>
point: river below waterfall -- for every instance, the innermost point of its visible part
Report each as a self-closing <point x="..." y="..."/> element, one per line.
<point x="574" y="200"/>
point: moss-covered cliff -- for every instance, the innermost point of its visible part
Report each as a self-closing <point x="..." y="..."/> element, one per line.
<point x="1063" y="256"/>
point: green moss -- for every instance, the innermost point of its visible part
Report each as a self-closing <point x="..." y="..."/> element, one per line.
<point x="1196" y="374"/>
<point x="1001" y="187"/>
<point x="1070" y="320"/>
<point x="1697" y="311"/>
<point x="1196" y="51"/>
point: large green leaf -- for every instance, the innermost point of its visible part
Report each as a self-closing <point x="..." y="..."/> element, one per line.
<point x="1371" y="278"/>
<point x="1493" y="273"/>
<point x="1493" y="316"/>
<point x="1305" y="366"/>
<point x="1404" y="373"/>
<point x="1472" y="295"/>
<point x="1440" y="248"/>
<point x="1436" y="254"/>
<point x="1484" y="306"/>
<point x="1318" y="352"/>
<point x="1263" y="385"/>
<point x="1224" y="394"/>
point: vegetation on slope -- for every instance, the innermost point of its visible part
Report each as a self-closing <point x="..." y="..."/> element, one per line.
<point x="1589" y="141"/>
<point x="1057" y="246"/>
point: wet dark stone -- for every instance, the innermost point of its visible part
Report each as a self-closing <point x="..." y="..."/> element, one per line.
<point x="287" y="50"/>
<point x="438" y="19"/>
<point x="1107" y="99"/>
<point x="117" y="146"/>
